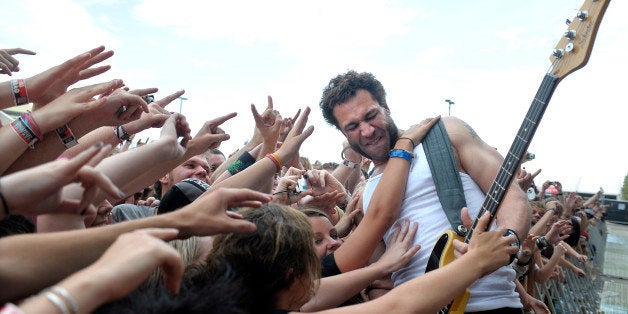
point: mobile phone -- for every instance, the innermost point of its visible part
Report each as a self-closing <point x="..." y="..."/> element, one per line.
<point x="301" y="184"/>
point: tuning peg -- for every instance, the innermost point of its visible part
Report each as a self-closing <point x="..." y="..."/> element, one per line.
<point x="582" y="15"/>
<point x="558" y="53"/>
<point x="567" y="21"/>
<point x="570" y="34"/>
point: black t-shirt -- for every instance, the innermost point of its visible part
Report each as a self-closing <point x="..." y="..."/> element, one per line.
<point x="329" y="267"/>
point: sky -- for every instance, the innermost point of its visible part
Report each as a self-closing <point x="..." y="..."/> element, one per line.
<point x="487" y="56"/>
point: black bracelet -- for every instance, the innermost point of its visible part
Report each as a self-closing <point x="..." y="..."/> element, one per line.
<point x="517" y="243"/>
<point x="525" y="263"/>
<point x="542" y="243"/>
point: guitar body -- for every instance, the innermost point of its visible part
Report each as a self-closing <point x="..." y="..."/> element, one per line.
<point x="443" y="254"/>
<point x="572" y="52"/>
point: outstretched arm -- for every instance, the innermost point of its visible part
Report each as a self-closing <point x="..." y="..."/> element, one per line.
<point x="335" y="290"/>
<point x="24" y="272"/>
<point x="430" y="292"/>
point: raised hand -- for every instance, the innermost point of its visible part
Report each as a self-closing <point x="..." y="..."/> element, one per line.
<point x="418" y="131"/>
<point x="285" y="192"/>
<point x="352" y="217"/>
<point x="269" y="124"/>
<point x="558" y="231"/>
<point x="209" y="136"/>
<point x="297" y="135"/>
<point x="524" y="178"/>
<point x="45" y="183"/>
<point x="52" y="83"/>
<point x="8" y="63"/>
<point x="209" y="214"/>
<point x="156" y="115"/>
<point x="74" y="103"/>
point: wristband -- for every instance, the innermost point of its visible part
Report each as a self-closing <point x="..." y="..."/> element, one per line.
<point x="276" y="160"/>
<point x="401" y="154"/>
<point x="27" y="118"/>
<point x="244" y="161"/>
<point x="18" y="87"/>
<point x="66" y="136"/>
<point x="121" y="133"/>
<point x="22" y="129"/>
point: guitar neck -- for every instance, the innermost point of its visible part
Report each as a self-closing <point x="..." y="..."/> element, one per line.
<point x="519" y="147"/>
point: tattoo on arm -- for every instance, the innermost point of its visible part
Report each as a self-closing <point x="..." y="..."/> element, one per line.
<point x="471" y="131"/>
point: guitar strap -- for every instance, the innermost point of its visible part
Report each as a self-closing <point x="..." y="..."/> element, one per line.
<point x="440" y="157"/>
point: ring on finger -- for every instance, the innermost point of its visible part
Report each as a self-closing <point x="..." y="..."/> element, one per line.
<point x="121" y="110"/>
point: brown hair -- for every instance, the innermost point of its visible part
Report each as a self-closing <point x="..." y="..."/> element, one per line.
<point x="270" y="259"/>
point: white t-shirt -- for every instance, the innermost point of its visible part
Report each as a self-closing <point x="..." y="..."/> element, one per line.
<point x="421" y="204"/>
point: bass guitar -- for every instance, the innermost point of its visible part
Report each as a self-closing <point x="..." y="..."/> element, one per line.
<point x="570" y="54"/>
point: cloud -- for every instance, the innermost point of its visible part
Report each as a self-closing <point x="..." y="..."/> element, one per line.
<point x="296" y="28"/>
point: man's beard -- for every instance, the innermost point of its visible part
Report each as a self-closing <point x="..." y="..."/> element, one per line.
<point x="393" y="136"/>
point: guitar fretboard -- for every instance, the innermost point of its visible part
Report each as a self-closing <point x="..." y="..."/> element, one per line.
<point x="517" y="151"/>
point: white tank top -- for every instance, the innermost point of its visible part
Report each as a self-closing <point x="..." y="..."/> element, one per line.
<point x="421" y="204"/>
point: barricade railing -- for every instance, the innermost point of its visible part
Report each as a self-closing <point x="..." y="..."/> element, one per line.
<point x="579" y="294"/>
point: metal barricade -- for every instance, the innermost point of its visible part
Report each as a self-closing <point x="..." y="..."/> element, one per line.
<point x="578" y="294"/>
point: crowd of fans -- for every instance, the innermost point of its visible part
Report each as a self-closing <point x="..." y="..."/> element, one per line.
<point x="92" y="223"/>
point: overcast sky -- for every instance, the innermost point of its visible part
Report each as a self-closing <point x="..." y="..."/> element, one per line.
<point x="488" y="56"/>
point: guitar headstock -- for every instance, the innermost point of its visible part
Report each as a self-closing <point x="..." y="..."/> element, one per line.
<point x="573" y="50"/>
